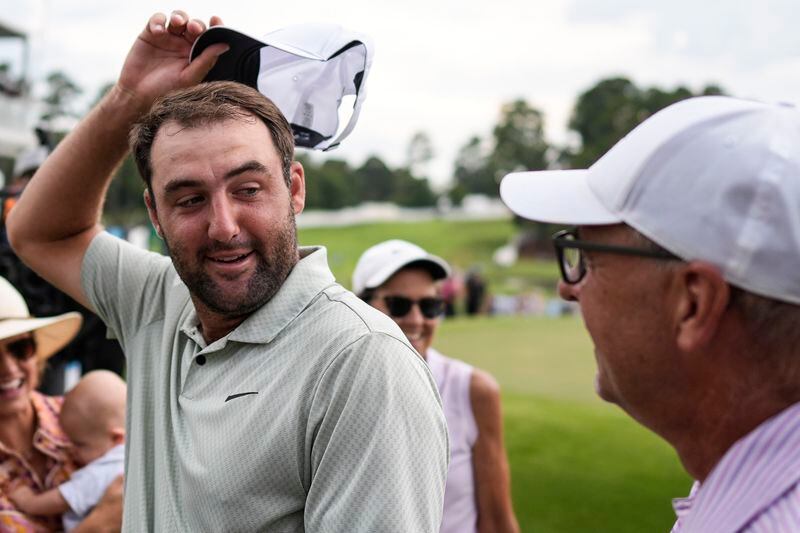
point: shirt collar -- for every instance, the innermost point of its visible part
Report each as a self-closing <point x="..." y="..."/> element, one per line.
<point x="752" y="474"/>
<point x="306" y="280"/>
<point x="683" y="507"/>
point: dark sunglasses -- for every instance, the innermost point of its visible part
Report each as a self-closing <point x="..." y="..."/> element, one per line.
<point x="400" y="306"/>
<point x="21" y="349"/>
<point x="569" y="251"/>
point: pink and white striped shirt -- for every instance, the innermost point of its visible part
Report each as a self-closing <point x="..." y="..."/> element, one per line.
<point x="754" y="488"/>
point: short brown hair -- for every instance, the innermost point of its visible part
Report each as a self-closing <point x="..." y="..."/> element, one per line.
<point x="208" y="103"/>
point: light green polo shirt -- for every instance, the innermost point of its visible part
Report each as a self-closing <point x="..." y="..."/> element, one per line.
<point x="315" y="414"/>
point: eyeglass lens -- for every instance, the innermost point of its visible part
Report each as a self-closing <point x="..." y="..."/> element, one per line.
<point x="572" y="260"/>
<point x="22" y="349"/>
<point x="400" y="306"/>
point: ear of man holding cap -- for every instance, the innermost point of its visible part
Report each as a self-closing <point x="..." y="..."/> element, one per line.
<point x="684" y="261"/>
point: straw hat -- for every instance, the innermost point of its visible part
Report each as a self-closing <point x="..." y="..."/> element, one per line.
<point x="52" y="333"/>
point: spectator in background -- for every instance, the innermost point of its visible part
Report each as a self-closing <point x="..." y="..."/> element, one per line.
<point x="451" y="290"/>
<point x="91" y="350"/>
<point x="402" y="280"/>
<point x="476" y="292"/>
<point x="34" y="450"/>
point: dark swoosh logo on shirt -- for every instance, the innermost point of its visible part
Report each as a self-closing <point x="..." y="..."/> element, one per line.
<point x="234" y="396"/>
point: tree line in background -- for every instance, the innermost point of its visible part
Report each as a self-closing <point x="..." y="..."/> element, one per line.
<point x="601" y="116"/>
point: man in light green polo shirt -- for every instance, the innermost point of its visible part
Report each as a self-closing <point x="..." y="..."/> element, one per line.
<point x="262" y="395"/>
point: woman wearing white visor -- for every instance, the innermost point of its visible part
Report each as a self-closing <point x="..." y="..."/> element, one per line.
<point x="401" y="279"/>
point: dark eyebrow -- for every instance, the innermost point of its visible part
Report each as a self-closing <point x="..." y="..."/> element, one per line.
<point x="249" y="166"/>
<point x="179" y="183"/>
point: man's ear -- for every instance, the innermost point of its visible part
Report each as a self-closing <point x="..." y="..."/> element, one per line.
<point x="297" y="189"/>
<point x="152" y="213"/>
<point x="702" y="303"/>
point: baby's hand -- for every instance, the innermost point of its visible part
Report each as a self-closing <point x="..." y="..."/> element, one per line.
<point x="21" y="496"/>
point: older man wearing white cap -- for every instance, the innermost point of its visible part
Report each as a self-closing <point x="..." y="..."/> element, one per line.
<point x="685" y="260"/>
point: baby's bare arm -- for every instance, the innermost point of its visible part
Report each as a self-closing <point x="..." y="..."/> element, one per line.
<point x="47" y="503"/>
<point x="106" y="516"/>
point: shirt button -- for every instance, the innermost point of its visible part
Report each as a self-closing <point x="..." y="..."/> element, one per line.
<point x="201" y="360"/>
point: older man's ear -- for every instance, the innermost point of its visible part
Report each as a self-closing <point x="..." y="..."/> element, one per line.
<point x="702" y="301"/>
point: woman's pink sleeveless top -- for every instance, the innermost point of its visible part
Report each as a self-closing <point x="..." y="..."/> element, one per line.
<point x="460" y="506"/>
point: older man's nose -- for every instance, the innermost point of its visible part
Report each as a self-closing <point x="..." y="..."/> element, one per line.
<point x="568" y="291"/>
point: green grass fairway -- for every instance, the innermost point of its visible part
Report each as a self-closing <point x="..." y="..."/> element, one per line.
<point x="577" y="463"/>
<point x="463" y="243"/>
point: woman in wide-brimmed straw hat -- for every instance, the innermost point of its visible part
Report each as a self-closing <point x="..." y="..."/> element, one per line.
<point x="34" y="450"/>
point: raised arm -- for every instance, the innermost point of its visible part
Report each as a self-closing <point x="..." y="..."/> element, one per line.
<point x="47" y="503"/>
<point x="492" y="478"/>
<point x="57" y="216"/>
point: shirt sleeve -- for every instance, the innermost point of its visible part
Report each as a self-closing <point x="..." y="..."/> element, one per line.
<point x="379" y="442"/>
<point x="87" y="485"/>
<point x="82" y="491"/>
<point x="125" y="284"/>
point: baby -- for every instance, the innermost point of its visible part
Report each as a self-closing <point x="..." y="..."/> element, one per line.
<point x="93" y="417"/>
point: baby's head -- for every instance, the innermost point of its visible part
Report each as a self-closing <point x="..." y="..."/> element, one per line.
<point x="93" y="415"/>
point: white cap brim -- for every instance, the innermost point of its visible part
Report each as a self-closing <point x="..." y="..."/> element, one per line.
<point x="435" y="265"/>
<point x="556" y="197"/>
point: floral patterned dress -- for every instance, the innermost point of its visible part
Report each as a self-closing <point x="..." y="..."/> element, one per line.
<point x="15" y="471"/>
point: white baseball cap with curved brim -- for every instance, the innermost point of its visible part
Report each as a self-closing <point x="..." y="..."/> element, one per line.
<point x="51" y="333"/>
<point x="380" y="262"/>
<point x="306" y="70"/>
<point x="710" y="178"/>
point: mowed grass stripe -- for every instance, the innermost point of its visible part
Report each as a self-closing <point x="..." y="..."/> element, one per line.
<point x="465" y="244"/>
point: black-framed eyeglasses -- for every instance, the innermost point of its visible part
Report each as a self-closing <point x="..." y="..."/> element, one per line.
<point x="569" y="251"/>
<point x="400" y="306"/>
<point x="20" y="349"/>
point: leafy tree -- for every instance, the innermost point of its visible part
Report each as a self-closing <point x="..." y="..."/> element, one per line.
<point x="375" y="180"/>
<point x="419" y="153"/>
<point x="519" y="142"/>
<point x="61" y="93"/>
<point x="610" y="109"/>
<point x="410" y="191"/>
<point x="330" y="185"/>
<point x="472" y="173"/>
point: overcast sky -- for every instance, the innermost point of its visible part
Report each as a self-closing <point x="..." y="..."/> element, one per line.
<point x="446" y="66"/>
